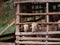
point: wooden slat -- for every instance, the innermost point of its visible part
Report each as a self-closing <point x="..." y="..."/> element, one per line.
<point x="35" y="14"/>
<point x="6" y="43"/>
<point x="17" y="20"/>
<point x="32" y="38"/>
<point x="38" y="38"/>
<point x="27" y="1"/>
<point x="36" y="33"/>
<point x="36" y="42"/>
<point x="6" y="38"/>
<point x="47" y="23"/>
<point x="29" y="14"/>
<point x="47" y="20"/>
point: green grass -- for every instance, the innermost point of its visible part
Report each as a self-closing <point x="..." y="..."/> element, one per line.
<point x="10" y="30"/>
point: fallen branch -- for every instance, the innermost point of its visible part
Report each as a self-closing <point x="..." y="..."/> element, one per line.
<point x="7" y="27"/>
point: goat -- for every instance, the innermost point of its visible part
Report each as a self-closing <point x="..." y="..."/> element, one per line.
<point x="58" y="24"/>
<point x="35" y="27"/>
<point x="26" y="27"/>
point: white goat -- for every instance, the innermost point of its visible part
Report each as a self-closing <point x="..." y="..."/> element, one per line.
<point x="26" y="27"/>
<point x="34" y="27"/>
<point x="59" y="24"/>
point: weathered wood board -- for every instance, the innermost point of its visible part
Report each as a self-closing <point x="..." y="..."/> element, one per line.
<point x="25" y="1"/>
<point x="3" y="43"/>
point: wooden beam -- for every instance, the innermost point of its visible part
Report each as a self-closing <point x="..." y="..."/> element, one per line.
<point x="47" y="20"/>
<point x="41" y="1"/>
<point x="6" y="38"/>
<point x="35" y="42"/>
<point x="17" y="21"/>
<point x="35" y="14"/>
<point x="36" y="33"/>
<point x="6" y="43"/>
<point x="47" y="23"/>
<point x="38" y="38"/>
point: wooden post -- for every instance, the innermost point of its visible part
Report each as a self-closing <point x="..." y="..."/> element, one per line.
<point x="17" y="21"/>
<point x="47" y="18"/>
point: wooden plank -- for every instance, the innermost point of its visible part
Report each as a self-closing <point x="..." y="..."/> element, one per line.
<point x="57" y="0"/>
<point x="38" y="38"/>
<point x="44" y="1"/>
<point x="32" y="38"/>
<point x="47" y="23"/>
<point x="6" y="43"/>
<point x="36" y="33"/>
<point x="35" y="14"/>
<point x="6" y="38"/>
<point x="47" y="19"/>
<point x="17" y="21"/>
<point x="35" y="42"/>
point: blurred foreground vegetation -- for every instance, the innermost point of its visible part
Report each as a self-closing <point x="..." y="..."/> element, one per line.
<point x="8" y="15"/>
